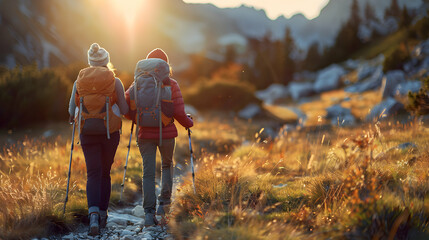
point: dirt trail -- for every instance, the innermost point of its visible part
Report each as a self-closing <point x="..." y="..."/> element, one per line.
<point x="122" y="225"/>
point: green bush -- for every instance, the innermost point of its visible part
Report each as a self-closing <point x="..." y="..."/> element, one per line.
<point x="221" y="95"/>
<point x="29" y="95"/>
<point x="421" y="28"/>
<point x="396" y="59"/>
<point x="71" y="71"/>
<point x="418" y="103"/>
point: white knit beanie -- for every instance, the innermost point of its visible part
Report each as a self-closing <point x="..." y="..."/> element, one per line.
<point x="98" y="56"/>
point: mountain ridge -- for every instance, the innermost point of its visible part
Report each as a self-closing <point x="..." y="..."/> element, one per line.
<point x="52" y="32"/>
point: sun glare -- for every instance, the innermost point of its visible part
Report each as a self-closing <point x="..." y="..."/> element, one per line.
<point x="129" y="9"/>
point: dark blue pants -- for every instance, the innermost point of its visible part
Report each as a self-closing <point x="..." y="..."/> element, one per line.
<point x="99" y="154"/>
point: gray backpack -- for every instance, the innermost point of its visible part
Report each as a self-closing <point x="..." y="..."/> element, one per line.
<point x="151" y="94"/>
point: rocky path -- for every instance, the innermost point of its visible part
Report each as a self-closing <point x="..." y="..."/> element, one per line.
<point x="123" y="224"/>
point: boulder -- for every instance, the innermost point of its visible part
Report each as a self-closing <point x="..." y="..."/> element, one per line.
<point x="390" y="25"/>
<point x="406" y="145"/>
<point x="300" y="90"/>
<point x="329" y="78"/>
<point x="408" y="86"/>
<point x="364" y="71"/>
<point x="372" y="83"/>
<point x="250" y="111"/>
<point x="344" y="121"/>
<point x="364" y="33"/>
<point x="390" y="81"/>
<point x="421" y="50"/>
<point x="138" y="211"/>
<point x="386" y="108"/>
<point x="336" y="110"/>
<point x="351" y="64"/>
<point x="340" y="116"/>
<point x="272" y="93"/>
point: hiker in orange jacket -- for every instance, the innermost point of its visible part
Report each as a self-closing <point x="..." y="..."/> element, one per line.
<point x="148" y="142"/>
<point x="99" y="95"/>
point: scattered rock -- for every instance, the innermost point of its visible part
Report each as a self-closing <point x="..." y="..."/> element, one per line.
<point x="273" y="93"/>
<point x="351" y="64"/>
<point x="406" y="145"/>
<point x="48" y="133"/>
<point x="408" y="86"/>
<point x="340" y="116"/>
<point x="364" y="32"/>
<point x="126" y="233"/>
<point x="280" y="185"/>
<point x="390" y="82"/>
<point x="421" y="50"/>
<point x="300" y="90"/>
<point x="390" y="25"/>
<point x="68" y="237"/>
<point x="364" y="71"/>
<point x="329" y="78"/>
<point x="386" y="108"/>
<point x="344" y="121"/>
<point x="250" y="111"/>
<point x="336" y="110"/>
<point x="372" y="83"/>
<point x="138" y="211"/>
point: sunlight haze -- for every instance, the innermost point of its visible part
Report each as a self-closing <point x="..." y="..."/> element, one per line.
<point x="274" y="8"/>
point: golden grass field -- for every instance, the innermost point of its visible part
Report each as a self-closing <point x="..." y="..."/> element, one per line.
<point x="345" y="183"/>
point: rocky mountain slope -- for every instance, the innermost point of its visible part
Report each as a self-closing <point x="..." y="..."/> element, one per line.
<point x="52" y="32"/>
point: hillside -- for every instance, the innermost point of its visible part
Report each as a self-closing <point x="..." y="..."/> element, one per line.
<point x="60" y="32"/>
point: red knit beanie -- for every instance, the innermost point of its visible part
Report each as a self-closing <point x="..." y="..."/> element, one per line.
<point x="158" y="53"/>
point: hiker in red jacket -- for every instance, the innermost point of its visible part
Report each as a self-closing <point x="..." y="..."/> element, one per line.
<point x="149" y="141"/>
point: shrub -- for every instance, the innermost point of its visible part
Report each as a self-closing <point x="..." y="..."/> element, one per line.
<point x="396" y="59"/>
<point x="221" y="95"/>
<point x="71" y="71"/>
<point x="29" y="95"/>
<point x="419" y="102"/>
<point x="421" y="28"/>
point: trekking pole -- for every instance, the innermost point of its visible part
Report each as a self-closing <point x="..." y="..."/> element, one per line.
<point x="192" y="160"/>
<point x="126" y="161"/>
<point x="70" y="162"/>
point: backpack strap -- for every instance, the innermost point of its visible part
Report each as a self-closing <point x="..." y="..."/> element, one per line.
<point x="107" y="117"/>
<point x="160" y="113"/>
<point x="80" y="113"/>
<point x="137" y="110"/>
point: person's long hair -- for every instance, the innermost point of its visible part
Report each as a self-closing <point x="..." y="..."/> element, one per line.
<point x="111" y="68"/>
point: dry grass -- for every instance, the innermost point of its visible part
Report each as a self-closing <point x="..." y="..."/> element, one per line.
<point x="359" y="104"/>
<point x="341" y="184"/>
<point x="338" y="184"/>
<point x="33" y="175"/>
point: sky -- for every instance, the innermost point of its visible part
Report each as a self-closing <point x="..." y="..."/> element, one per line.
<point x="274" y="8"/>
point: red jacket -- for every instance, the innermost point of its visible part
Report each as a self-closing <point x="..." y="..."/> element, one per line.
<point x="169" y="131"/>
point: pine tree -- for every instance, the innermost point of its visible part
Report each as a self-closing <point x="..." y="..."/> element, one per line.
<point x="313" y="58"/>
<point x="393" y="11"/>
<point x="230" y="54"/>
<point x="369" y="13"/>
<point x="289" y="47"/>
<point x="355" y="18"/>
<point x="405" y="19"/>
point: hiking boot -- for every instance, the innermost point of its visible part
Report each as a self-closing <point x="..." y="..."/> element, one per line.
<point x="103" y="219"/>
<point x="163" y="209"/>
<point x="150" y="220"/>
<point x="94" y="226"/>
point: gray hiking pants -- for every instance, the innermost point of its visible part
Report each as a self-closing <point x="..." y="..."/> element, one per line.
<point x="147" y="149"/>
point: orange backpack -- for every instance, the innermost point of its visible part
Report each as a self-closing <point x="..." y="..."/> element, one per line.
<point x="95" y="95"/>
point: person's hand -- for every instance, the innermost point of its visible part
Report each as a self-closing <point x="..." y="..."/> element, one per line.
<point x="71" y="119"/>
